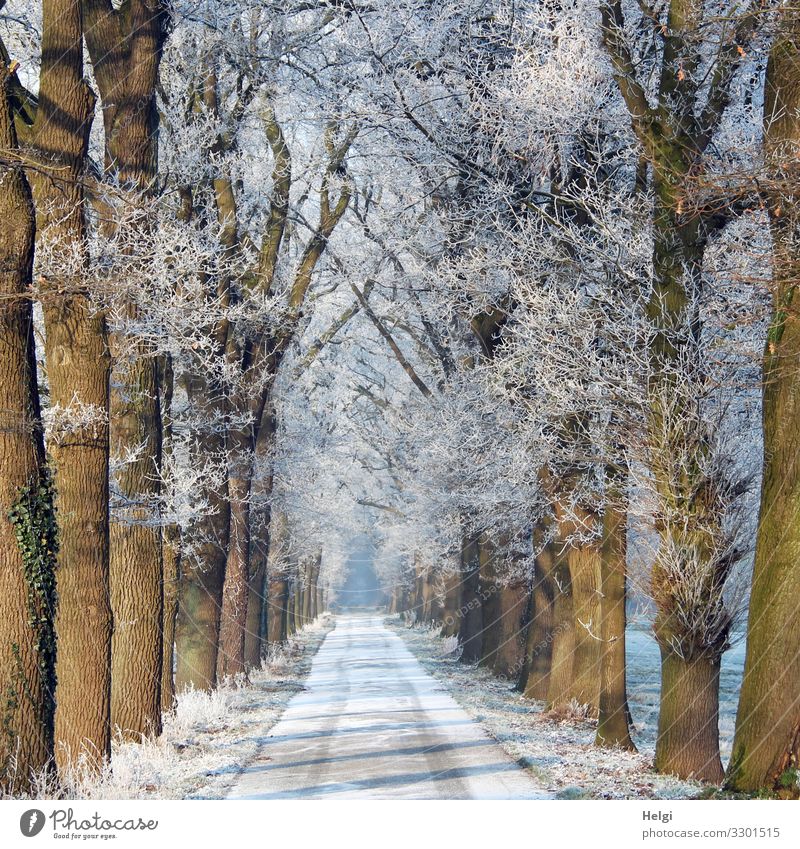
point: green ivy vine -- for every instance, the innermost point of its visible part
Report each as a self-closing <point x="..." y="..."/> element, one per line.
<point x="33" y="519"/>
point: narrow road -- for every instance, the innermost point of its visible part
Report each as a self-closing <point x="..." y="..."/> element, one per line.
<point x="373" y="724"/>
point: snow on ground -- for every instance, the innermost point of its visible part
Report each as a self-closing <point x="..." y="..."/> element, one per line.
<point x="371" y="723"/>
<point x="561" y="753"/>
<point x="208" y="738"/>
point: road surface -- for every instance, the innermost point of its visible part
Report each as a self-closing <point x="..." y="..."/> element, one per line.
<point x="373" y="724"/>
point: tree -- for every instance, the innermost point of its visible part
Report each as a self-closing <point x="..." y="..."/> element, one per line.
<point x="125" y="47"/>
<point x="675" y="131"/>
<point x="77" y="363"/>
<point x="28" y="536"/>
<point x="766" y="746"/>
<point x="613" y="727"/>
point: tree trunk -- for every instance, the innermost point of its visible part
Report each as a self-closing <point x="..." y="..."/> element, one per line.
<point x="688" y="721"/>
<point x="559" y="684"/>
<point x="172" y="571"/>
<point x="585" y="579"/>
<point x="125" y="47"/>
<point x="200" y="590"/>
<point x="136" y="568"/>
<point x="584" y="570"/>
<point x="490" y="600"/>
<point x="28" y="537"/>
<point x="171" y="554"/>
<point x="689" y="512"/>
<point x="297" y="604"/>
<point x="277" y="579"/>
<point x="540" y="636"/>
<point x="278" y="599"/>
<point x="766" y="745"/>
<point x="316" y="567"/>
<point x="197" y="624"/>
<point x="289" y="610"/>
<point x="452" y="604"/>
<point x="256" y="589"/>
<point x="307" y="592"/>
<point x="471" y="621"/>
<point x="612" y="724"/>
<point x="76" y="353"/>
<point x="291" y="622"/>
<point x="230" y="660"/>
<point x="509" y="655"/>
<point x="260" y="516"/>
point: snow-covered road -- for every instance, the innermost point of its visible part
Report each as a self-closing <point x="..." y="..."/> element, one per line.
<point x="372" y="724"/>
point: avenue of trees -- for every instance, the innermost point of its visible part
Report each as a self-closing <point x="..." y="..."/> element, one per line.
<point x="507" y="286"/>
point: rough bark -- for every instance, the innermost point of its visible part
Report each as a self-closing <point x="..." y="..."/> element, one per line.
<point x="559" y="683"/>
<point x="277" y="600"/>
<point x="171" y="558"/>
<point x="509" y="654"/>
<point x="125" y="46"/>
<point x="76" y="353"/>
<point x="584" y="568"/>
<point x="260" y="515"/>
<point x="539" y="641"/>
<point x="297" y="606"/>
<point x="612" y="724"/>
<point x="425" y="592"/>
<point x="136" y="568"/>
<point x="490" y="600"/>
<point x="688" y="719"/>
<point x="675" y="132"/>
<point x="171" y="577"/>
<point x="452" y="603"/>
<point x="470" y="625"/>
<point x="256" y="593"/>
<point x="233" y="621"/>
<point x="277" y="580"/>
<point x="766" y="746"/>
<point x="202" y="576"/>
<point x="27" y="520"/>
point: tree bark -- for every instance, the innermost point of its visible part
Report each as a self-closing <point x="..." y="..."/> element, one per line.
<point x="584" y="569"/>
<point x="675" y="133"/>
<point x="539" y="643"/>
<point x="172" y="571"/>
<point x="490" y="600"/>
<point x="766" y="746"/>
<point x="28" y="537"/>
<point x="470" y="626"/>
<point x="509" y="654"/>
<point x="277" y="601"/>
<point x="297" y="604"/>
<point x="688" y="719"/>
<point x="76" y="353"/>
<point x="452" y="603"/>
<point x="256" y="591"/>
<point x="559" y="683"/>
<point x="230" y="660"/>
<point x="277" y="579"/>
<point x="200" y="589"/>
<point x="171" y="553"/>
<point x="125" y="46"/>
<point x="256" y="627"/>
<point x="612" y="725"/>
